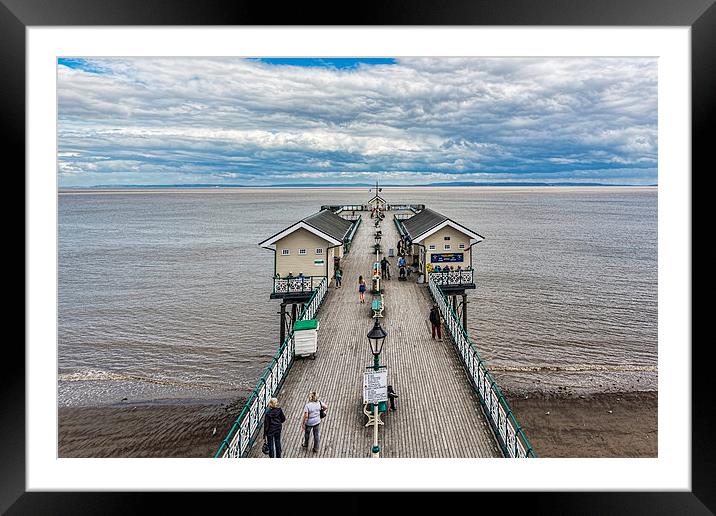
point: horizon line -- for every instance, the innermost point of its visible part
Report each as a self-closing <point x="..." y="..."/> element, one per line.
<point x="358" y="185"/>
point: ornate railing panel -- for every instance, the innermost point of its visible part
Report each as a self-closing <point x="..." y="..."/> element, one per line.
<point x="461" y="277"/>
<point x="243" y="432"/>
<point x="401" y="207"/>
<point x="296" y="284"/>
<point x="338" y="208"/>
<point x="508" y="433"/>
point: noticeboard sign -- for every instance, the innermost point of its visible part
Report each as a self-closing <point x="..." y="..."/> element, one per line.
<point x="446" y="257"/>
<point x="375" y="386"/>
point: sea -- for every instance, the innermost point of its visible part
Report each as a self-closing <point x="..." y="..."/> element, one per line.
<point x="163" y="294"/>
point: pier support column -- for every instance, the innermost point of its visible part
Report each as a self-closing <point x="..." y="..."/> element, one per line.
<point x="283" y="322"/>
<point x="464" y="311"/>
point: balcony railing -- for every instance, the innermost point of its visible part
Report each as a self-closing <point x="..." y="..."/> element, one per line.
<point x="296" y="284"/>
<point x="450" y="278"/>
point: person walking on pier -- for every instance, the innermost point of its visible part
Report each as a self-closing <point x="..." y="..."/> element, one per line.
<point x="312" y="420"/>
<point x="384" y="268"/>
<point x="391" y="396"/>
<point x="338" y="278"/>
<point x="435" y="321"/>
<point x="361" y="289"/>
<point x="272" y="428"/>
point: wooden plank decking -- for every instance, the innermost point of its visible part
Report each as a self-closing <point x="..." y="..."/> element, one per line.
<point x="438" y="415"/>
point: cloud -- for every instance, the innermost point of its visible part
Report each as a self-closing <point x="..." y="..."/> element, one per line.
<point x="155" y="120"/>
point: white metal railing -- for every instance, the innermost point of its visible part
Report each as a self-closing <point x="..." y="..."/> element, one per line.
<point x="338" y="208"/>
<point x="296" y="284"/>
<point x="509" y="434"/>
<point x="412" y="207"/>
<point x="461" y="277"/>
<point x="243" y="432"/>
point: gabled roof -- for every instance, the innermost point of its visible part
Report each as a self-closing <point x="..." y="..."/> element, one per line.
<point x="330" y="223"/>
<point x="325" y="224"/>
<point x="377" y="197"/>
<point x="427" y="222"/>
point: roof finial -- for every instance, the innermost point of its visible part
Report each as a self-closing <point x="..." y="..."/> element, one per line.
<point x="377" y="189"/>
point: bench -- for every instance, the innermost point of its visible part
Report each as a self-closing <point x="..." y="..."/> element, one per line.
<point x="377" y="306"/>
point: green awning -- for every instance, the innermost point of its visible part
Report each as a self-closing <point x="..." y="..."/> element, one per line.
<point x="309" y="324"/>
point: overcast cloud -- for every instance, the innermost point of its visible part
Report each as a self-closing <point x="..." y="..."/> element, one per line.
<point x="416" y="121"/>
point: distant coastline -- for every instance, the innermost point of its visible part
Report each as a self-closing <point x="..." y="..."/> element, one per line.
<point x="354" y="185"/>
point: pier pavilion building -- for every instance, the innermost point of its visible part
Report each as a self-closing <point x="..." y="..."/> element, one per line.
<point x="306" y="256"/>
<point x="377" y="202"/>
<point x="439" y="241"/>
<point x="309" y="248"/>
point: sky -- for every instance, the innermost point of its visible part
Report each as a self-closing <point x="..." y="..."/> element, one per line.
<point x="402" y="121"/>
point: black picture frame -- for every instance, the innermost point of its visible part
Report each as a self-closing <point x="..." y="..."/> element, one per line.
<point x="17" y="15"/>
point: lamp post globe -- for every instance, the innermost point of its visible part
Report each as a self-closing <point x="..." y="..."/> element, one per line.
<point x="376" y="339"/>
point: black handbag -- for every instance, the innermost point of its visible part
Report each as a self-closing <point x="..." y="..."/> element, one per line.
<point x="323" y="411"/>
<point x="265" y="448"/>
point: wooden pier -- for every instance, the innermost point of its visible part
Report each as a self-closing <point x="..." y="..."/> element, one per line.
<point x="438" y="411"/>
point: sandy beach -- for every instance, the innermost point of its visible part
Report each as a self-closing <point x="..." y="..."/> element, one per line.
<point x="606" y="425"/>
<point x="621" y="425"/>
<point x="145" y="430"/>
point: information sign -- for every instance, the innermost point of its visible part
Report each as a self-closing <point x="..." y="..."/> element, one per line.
<point x="375" y="386"/>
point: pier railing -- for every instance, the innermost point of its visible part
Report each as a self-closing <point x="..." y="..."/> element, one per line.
<point x="243" y="432"/>
<point x="349" y="240"/>
<point x="338" y="208"/>
<point x="399" y="225"/>
<point x="453" y="278"/>
<point x="296" y="284"/>
<point x="415" y="208"/>
<point x="508" y="432"/>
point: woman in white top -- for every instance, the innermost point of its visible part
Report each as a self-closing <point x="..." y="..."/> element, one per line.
<point x="312" y="420"/>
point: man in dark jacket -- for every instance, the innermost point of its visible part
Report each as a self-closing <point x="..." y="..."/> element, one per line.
<point x="435" y="321"/>
<point x="273" y="421"/>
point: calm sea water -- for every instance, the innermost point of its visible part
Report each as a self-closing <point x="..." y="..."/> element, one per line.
<point x="165" y="294"/>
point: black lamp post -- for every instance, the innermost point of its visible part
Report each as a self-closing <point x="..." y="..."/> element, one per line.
<point x="376" y="338"/>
